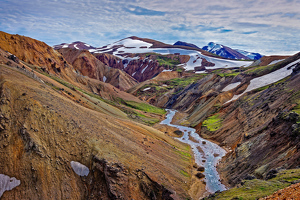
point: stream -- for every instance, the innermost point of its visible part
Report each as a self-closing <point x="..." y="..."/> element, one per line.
<point x="206" y="153"/>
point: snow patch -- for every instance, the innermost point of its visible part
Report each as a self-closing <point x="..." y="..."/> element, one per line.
<point x="268" y="79"/>
<point x="133" y="74"/>
<point x="145" y="68"/>
<point x="75" y="46"/>
<point x="190" y="65"/>
<point x="167" y="70"/>
<point x="80" y="169"/>
<point x="104" y="79"/>
<point x="231" y="86"/>
<point x="275" y="61"/>
<point x="128" y="42"/>
<point x="65" y="46"/>
<point x="87" y="45"/>
<point x="7" y="183"/>
<point x="200" y="72"/>
<point x="146" y="89"/>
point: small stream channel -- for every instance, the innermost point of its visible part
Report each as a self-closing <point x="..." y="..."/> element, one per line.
<point x="209" y="156"/>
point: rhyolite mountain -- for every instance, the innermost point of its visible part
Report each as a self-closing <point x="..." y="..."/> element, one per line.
<point x="230" y="53"/>
<point x="62" y="122"/>
<point x="144" y="58"/>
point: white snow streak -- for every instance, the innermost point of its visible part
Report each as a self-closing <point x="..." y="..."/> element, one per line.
<point x="275" y="61"/>
<point x="231" y="86"/>
<point x="144" y="69"/>
<point x="146" y="89"/>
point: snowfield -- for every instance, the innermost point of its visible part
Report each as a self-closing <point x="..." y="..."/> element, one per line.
<point x="231" y="86"/>
<point x="129" y="45"/>
<point x="268" y="78"/>
<point x="275" y="61"/>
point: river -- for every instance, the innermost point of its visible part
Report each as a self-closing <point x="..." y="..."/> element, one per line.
<point x="209" y="156"/>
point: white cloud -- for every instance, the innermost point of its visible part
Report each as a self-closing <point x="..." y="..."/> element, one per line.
<point x="275" y="24"/>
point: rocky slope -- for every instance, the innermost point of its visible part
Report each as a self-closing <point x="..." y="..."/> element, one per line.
<point x="44" y="129"/>
<point x="147" y="66"/>
<point x="36" y="53"/>
<point x="291" y="192"/>
<point x="87" y="65"/>
<point x="265" y="113"/>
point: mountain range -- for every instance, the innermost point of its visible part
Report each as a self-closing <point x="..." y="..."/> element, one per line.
<point x="84" y="122"/>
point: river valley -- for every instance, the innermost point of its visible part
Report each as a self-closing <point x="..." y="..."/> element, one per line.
<point x="206" y="153"/>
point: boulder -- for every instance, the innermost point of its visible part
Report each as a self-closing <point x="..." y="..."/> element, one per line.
<point x="200" y="175"/>
<point x="201" y="169"/>
<point x="178" y="132"/>
<point x="271" y="174"/>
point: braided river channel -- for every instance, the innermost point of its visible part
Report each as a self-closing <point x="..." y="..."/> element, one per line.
<point x="206" y="153"/>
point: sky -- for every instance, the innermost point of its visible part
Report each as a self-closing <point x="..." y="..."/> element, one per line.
<point x="263" y="26"/>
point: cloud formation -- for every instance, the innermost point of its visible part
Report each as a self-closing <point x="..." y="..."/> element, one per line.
<point x="268" y="27"/>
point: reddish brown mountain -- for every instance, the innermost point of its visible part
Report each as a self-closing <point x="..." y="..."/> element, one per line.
<point x="144" y="68"/>
<point x="85" y="63"/>
<point x="34" y="52"/>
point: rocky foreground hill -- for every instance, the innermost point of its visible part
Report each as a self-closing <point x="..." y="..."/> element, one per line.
<point x="83" y="123"/>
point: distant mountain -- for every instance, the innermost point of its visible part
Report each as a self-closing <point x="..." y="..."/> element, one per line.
<point x="132" y="56"/>
<point x="252" y="56"/>
<point x="75" y="45"/>
<point x="180" y="43"/>
<point x="224" y="51"/>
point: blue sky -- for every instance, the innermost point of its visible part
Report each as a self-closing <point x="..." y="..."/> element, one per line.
<point x="268" y="27"/>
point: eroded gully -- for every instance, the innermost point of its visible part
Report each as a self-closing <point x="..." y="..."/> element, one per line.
<point x="206" y="153"/>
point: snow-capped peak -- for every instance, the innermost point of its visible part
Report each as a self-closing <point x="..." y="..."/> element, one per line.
<point x="131" y="43"/>
<point x="214" y="46"/>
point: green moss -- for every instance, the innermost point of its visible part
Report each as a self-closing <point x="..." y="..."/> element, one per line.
<point x="185" y="154"/>
<point x="213" y="123"/>
<point x="166" y="61"/>
<point x="145" y="107"/>
<point x="184" y="173"/>
<point x="255" y="189"/>
<point x="229" y="74"/>
<point x="185" y="81"/>
<point x="53" y="86"/>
